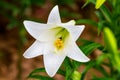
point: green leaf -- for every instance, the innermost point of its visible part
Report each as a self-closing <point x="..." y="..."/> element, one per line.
<point x="40" y="77"/>
<point x="101" y="69"/>
<point x="101" y="58"/>
<point x="22" y="33"/>
<point x="88" y="66"/>
<point x="65" y="2"/>
<point x="38" y="2"/>
<point x="35" y="74"/>
<point x="100" y="26"/>
<point x="76" y="64"/>
<point x="26" y="3"/>
<point x="86" y="21"/>
<point x="99" y="15"/>
<point x="89" y="47"/>
<point x="118" y="76"/>
<point x="88" y="2"/>
<point x="64" y="13"/>
<point x="111" y="45"/>
<point x="36" y="71"/>
<point x="62" y="72"/>
<point x="13" y="23"/>
<point x="69" y="68"/>
<point x="7" y="5"/>
<point x="103" y="78"/>
<point x="106" y="13"/>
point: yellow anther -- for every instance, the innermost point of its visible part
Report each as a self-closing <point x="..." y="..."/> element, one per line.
<point x="58" y="44"/>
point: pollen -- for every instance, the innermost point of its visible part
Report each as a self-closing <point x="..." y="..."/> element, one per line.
<point x="58" y="44"/>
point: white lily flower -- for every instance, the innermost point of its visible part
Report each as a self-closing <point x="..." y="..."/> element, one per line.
<point x="55" y="41"/>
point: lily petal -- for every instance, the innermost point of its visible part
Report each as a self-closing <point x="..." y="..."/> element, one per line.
<point x="71" y="22"/>
<point x="75" y="53"/>
<point x="52" y="61"/>
<point x="54" y="16"/>
<point x="75" y="31"/>
<point x="34" y="50"/>
<point x="47" y="36"/>
<point x="35" y="28"/>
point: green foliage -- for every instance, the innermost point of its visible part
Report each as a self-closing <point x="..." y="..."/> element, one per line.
<point x="39" y="77"/>
<point x="89" y="46"/>
<point x="35" y="74"/>
<point x="99" y="3"/>
<point x="15" y="12"/>
<point x="108" y="24"/>
<point x="106" y="15"/>
<point x="70" y="66"/>
<point x="86" y="21"/>
<point x="65" y="2"/>
<point x="104" y="78"/>
<point x="76" y="75"/>
<point x="110" y="41"/>
<point x="38" y="2"/>
<point x="111" y="45"/>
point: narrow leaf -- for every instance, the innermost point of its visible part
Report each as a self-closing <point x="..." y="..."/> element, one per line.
<point x="86" y="21"/>
<point x="36" y="71"/>
<point x="40" y="77"/>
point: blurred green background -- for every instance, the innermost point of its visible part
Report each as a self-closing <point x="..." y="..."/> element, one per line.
<point x="100" y="39"/>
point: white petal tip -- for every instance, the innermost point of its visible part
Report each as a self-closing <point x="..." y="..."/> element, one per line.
<point x="54" y="16"/>
<point x="56" y="6"/>
<point x="51" y="75"/>
<point x="73" y="22"/>
<point x="26" y="56"/>
<point x="25" y="22"/>
<point x="85" y="60"/>
<point x="83" y="26"/>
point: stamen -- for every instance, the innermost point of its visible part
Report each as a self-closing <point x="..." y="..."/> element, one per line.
<point x="59" y="43"/>
<point x="61" y="35"/>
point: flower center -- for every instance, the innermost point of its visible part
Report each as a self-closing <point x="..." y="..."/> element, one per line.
<point x="61" y="35"/>
<point x="59" y="44"/>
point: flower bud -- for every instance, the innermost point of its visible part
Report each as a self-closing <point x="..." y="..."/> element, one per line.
<point x="76" y="75"/>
